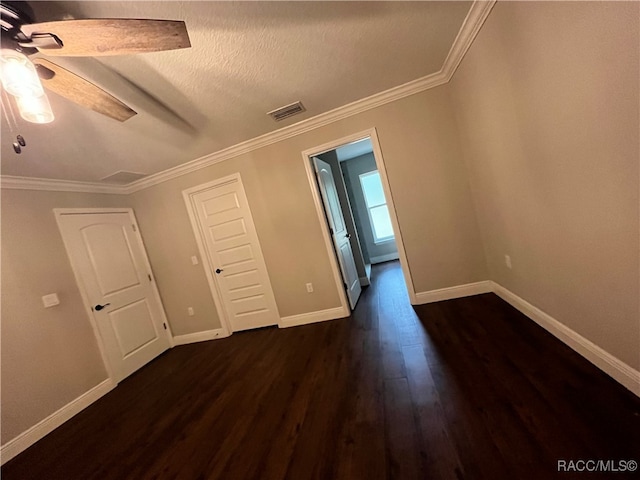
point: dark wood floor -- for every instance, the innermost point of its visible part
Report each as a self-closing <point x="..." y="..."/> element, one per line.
<point x="465" y="388"/>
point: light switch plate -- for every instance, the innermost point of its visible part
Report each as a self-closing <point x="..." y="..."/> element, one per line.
<point x="50" y="300"/>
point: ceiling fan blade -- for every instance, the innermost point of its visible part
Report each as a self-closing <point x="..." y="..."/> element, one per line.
<point x="72" y="87"/>
<point x="104" y="36"/>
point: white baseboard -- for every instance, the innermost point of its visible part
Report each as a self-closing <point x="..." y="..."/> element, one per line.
<point x="458" y="291"/>
<point x="612" y="366"/>
<point x="27" y="438"/>
<point x="364" y="281"/>
<point x="385" y="258"/>
<point x="200" y="336"/>
<point x="313" y="317"/>
<point x="617" y="369"/>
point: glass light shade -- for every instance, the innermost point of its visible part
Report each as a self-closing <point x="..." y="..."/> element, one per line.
<point x="35" y="109"/>
<point x="19" y="76"/>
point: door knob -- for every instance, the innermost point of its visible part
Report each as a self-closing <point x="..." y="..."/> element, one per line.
<point x="348" y="235"/>
<point x="97" y="308"/>
<point x="219" y="270"/>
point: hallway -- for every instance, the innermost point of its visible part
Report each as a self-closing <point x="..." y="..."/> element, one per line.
<point x="466" y="388"/>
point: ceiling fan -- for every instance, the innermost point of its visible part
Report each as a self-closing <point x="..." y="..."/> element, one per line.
<point x="24" y="78"/>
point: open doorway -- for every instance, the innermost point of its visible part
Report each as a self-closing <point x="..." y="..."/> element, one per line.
<point x="367" y="201"/>
<point x="355" y="207"/>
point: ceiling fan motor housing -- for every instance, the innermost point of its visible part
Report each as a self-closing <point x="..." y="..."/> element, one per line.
<point x="12" y="16"/>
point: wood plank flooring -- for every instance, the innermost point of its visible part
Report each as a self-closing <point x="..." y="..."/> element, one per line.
<point x="462" y="389"/>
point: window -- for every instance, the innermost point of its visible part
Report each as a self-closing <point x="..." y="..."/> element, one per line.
<point x="376" y="206"/>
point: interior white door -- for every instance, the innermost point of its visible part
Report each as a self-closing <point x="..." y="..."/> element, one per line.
<point x="233" y="250"/>
<point x="339" y="233"/>
<point x="110" y="262"/>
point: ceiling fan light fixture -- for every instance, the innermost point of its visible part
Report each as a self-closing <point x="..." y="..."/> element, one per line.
<point x="20" y="79"/>
<point x="19" y="76"/>
<point x="35" y="109"/>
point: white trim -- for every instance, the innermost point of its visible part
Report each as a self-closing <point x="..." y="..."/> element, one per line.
<point x="75" y="211"/>
<point x="326" y="234"/>
<point x="471" y="25"/>
<point x="366" y="280"/>
<point x="384" y="241"/>
<point x="372" y="135"/>
<point x="478" y="13"/>
<point x="156" y="293"/>
<point x="624" y="374"/>
<point x="313" y="317"/>
<point x="372" y="225"/>
<point x="200" y="336"/>
<point x="27" y="438"/>
<point x="449" y="293"/>
<point x="53" y="185"/>
<point x="189" y="200"/>
<point x="59" y="212"/>
<point x="617" y="369"/>
<point x="359" y="106"/>
<point x="385" y="258"/>
<point x="386" y="186"/>
<point x="187" y="195"/>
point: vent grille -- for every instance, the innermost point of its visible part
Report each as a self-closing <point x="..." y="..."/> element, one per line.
<point x="287" y="111"/>
<point x="123" y="177"/>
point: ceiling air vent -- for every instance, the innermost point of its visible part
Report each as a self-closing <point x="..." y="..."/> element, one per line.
<point x="286" y="111"/>
<point x="123" y="177"/>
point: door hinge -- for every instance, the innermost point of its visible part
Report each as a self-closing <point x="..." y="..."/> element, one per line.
<point x="345" y="286"/>
<point x="134" y="227"/>
<point x="331" y="230"/>
<point x="149" y="275"/>
<point x="164" y="325"/>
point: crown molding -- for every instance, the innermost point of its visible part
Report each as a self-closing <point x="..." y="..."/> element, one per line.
<point x="478" y="13"/>
<point x="53" y="185"/>
<point x="472" y="24"/>
<point x="376" y="100"/>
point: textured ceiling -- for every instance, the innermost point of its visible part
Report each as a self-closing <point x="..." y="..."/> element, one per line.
<point x="247" y="58"/>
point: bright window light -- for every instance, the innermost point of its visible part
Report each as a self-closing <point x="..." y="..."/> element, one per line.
<point x="376" y="206"/>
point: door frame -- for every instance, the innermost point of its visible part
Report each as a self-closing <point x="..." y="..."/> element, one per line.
<point x="59" y="213"/>
<point x="307" y="155"/>
<point x="207" y="261"/>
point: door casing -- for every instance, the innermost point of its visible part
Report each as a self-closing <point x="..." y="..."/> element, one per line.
<point x="214" y="288"/>
<point x="317" y="200"/>
<point x="59" y="212"/>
